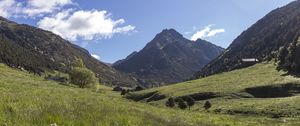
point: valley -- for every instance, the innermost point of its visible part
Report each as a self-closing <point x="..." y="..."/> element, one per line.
<point x="27" y="100"/>
<point x="52" y="71"/>
<point x="257" y="90"/>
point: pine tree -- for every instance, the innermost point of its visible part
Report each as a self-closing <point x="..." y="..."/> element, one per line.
<point x="207" y="105"/>
<point x="182" y="104"/>
<point x="190" y="101"/>
<point x="170" y="102"/>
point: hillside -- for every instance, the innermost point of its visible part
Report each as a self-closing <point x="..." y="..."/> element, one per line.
<point x="289" y="58"/>
<point x="263" y="39"/>
<point x="168" y="58"/>
<point x="36" y="50"/>
<point x="257" y="90"/>
<point x="29" y="100"/>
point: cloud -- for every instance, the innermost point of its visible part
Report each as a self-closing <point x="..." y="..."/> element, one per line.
<point x="38" y="7"/>
<point x="96" y="56"/>
<point x="206" y="32"/>
<point x="8" y="7"/>
<point x="67" y="21"/>
<point x="31" y="8"/>
<point x="85" y="25"/>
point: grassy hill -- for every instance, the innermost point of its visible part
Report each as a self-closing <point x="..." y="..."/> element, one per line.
<point x="259" y="90"/>
<point x="30" y="100"/>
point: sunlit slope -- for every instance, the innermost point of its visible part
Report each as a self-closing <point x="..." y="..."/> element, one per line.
<point x="257" y="90"/>
<point x="29" y="100"/>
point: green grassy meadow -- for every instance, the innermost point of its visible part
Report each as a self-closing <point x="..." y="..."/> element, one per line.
<point x="29" y="100"/>
<point x="239" y="92"/>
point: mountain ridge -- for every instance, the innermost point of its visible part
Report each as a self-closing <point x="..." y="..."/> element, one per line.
<point x="38" y="51"/>
<point x="261" y="41"/>
<point x="168" y="58"/>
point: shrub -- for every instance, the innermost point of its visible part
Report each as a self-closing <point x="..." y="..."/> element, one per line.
<point x="82" y="77"/>
<point x="170" y="102"/>
<point x="139" y="88"/>
<point x="207" y="105"/>
<point x="123" y="92"/>
<point x="78" y="63"/>
<point x="190" y="101"/>
<point x="117" y="88"/>
<point x="182" y="104"/>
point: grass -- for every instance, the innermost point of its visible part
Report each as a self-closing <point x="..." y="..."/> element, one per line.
<point x="231" y="96"/>
<point x="235" y="81"/>
<point x="29" y="100"/>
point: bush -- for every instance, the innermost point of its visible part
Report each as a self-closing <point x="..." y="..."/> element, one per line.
<point x="117" y="88"/>
<point x="170" y="102"/>
<point x="82" y="77"/>
<point x="139" y="88"/>
<point x="78" y="63"/>
<point x="190" y="101"/>
<point x="207" y="105"/>
<point x="182" y="104"/>
<point x="124" y="92"/>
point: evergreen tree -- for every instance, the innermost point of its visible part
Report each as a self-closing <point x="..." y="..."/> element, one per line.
<point x="170" y="102"/>
<point x="190" y="101"/>
<point x="207" y="105"/>
<point x="182" y="104"/>
<point x="123" y="92"/>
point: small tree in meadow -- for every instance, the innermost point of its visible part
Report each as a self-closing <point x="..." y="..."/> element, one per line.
<point x="170" y="102"/>
<point x="190" y="101"/>
<point x="207" y="105"/>
<point x="82" y="76"/>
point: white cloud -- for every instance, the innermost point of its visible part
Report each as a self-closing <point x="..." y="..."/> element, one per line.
<point x="96" y="56"/>
<point x="85" y="25"/>
<point x="214" y="32"/>
<point x="206" y="32"/>
<point x="31" y="8"/>
<point x="8" y="7"/>
<point x="69" y="22"/>
<point x="38" y="7"/>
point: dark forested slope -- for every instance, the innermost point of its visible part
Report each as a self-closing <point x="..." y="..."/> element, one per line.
<point x="36" y="50"/>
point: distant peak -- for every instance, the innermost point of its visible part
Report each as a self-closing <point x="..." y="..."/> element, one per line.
<point x="170" y="31"/>
<point x="199" y="40"/>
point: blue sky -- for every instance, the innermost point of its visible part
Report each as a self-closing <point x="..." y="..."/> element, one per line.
<point x="116" y="28"/>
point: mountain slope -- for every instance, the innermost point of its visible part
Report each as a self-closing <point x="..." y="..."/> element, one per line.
<point x="168" y="58"/>
<point x="278" y="28"/>
<point x="28" y="100"/>
<point x="36" y="50"/>
<point x="259" y="90"/>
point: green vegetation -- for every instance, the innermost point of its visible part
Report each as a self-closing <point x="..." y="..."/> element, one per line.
<point x="259" y="90"/>
<point x="29" y="100"/>
<point x="82" y="76"/>
<point x="289" y="57"/>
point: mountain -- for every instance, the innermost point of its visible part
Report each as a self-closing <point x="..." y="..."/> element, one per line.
<point x="38" y="51"/>
<point x="262" y="40"/>
<point x="168" y="58"/>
